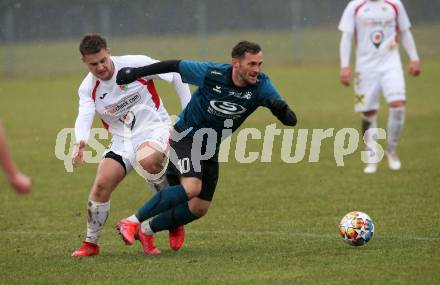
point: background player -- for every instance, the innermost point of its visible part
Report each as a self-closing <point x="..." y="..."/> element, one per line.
<point x="227" y="94"/>
<point x="139" y="124"/>
<point x="377" y="26"/>
<point x="21" y="183"/>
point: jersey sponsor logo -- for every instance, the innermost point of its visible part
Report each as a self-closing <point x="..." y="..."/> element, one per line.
<point x="378" y="23"/>
<point x="376" y="38"/>
<point x="227" y="108"/>
<point x="122" y="106"/>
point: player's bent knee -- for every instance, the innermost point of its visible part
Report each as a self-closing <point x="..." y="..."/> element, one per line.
<point x="199" y="207"/>
<point x="199" y="212"/>
<point x="192" y="186"/>
<point x="150" y="160"/>
<point x="152" y="166"/>
<point x="369" y="113"/>
<point x="396" y="104"/>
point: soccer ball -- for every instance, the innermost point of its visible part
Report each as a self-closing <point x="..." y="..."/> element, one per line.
<point x="356" y="228"/>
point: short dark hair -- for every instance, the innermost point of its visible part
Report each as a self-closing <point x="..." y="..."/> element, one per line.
<point x="239" y="50"/>
<point x="91" y="44"/>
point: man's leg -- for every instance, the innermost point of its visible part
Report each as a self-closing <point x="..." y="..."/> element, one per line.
<point x="393" y="83"/>
<point x="369" y="122"/>
<point x="182" y="214"/>
<point x="396" y="119"/>
<point x="170" y="196"/>
<point x="185" y="213"/>
<point x="176" y="234"/>
<point x="367" y="89"/>
<point x="164" y="200"/>
<point x="153" y="159"/>
<point x="149" y="163"/>
<point x="110" y="173"/>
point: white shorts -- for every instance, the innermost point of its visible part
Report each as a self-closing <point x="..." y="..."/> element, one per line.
<point x="369" y="85"/>
<point x="127" y="147"/>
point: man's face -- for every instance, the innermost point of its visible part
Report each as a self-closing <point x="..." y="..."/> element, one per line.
<point x="248" y="67"/>
<point x="100" y="64"/>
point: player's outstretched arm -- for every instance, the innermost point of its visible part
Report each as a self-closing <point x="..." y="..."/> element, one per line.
<point x="282" y="111"/>
<point x="128" y="75"/>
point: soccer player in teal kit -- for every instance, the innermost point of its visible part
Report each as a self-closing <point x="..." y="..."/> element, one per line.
<point x="227" y="94"/>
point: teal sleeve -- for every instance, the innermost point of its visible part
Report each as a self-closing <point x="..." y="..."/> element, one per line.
<point x="268" y="93"/>
<point x="193" y="72"/>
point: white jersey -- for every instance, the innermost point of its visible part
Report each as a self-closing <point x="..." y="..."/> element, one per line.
<point x="375" y="25"/>
<point x="118" y="106"/>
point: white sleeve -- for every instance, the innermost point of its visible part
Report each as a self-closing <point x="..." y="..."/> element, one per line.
<point x="182" y="90"/>
<point x="409" y="44"/>
<point x="402" y="18"/>
<point x="345" y="48"/>
<point x="347" y="22"/>
<point x="143" y="60"/>
<point x="86" y="113"/>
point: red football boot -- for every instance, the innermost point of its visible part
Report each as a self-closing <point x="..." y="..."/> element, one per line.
<point x="176" y="237"/>
<point x="87" y="249"/>
<point x="147" y="243"/>
<point x="127" y="229"/>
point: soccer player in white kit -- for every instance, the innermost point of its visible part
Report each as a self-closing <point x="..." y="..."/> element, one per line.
<point x="140" y="126"/>
<point x="377" y="26"/>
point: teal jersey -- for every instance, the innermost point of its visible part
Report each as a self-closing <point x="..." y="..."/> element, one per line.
<point x="217" y="98"/>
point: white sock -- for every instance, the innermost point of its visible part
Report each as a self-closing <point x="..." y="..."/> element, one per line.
<point x="146" y="229"/>
<point x="97" y="216"/>
<point x="133" y="218"/>
<point x="396" y="118"/>
<point x="371" y="136"/>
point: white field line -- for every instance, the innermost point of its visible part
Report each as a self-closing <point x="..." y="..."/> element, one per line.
<point x="237" y="233"/>
<point x="307" y="235"/>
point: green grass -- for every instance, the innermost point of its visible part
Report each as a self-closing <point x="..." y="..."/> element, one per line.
<point x="270" y="223"/>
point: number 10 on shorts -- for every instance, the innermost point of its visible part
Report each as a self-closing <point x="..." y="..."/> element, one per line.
<point x="184" y="165"/>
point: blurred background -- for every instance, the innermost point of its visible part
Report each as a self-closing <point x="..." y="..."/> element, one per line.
<point x="40" y="37"/>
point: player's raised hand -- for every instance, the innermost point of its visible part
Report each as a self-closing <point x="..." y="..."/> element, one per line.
<point x="21" y="183"/>
<point x="126" y="75"/>
<point x="345" y="76"/>
<point x="414" y="68"/>
<point x="78" y="153"/>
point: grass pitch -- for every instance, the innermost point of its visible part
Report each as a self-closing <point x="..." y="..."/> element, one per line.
<point x="270" y="223"/>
